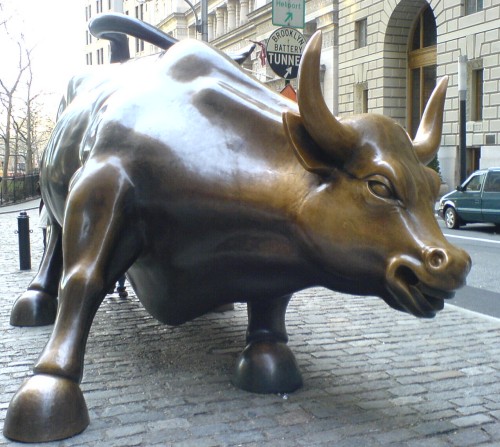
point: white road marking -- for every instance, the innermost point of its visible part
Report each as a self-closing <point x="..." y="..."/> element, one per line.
<point x="472" y="238"/>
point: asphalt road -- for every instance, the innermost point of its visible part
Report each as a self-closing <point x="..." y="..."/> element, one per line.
<point x="482" y="242"/>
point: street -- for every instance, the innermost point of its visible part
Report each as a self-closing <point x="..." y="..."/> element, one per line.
<point x="482" y="242"/>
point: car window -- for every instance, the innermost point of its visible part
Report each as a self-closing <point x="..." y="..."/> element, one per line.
<point x="474" y="184"/>
<point x="492" y="182"/>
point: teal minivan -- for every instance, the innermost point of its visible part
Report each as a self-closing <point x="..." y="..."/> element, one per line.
<point x="475" y="200"/>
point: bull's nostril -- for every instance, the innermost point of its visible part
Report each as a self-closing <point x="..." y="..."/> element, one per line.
<point x="436" y="258"/>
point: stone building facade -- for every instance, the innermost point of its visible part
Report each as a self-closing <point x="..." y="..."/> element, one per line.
<point x="391" y="52"/>
<point x="381" y="56"/>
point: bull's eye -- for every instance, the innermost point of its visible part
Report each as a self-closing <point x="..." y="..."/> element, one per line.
<point x="381" y="189"/>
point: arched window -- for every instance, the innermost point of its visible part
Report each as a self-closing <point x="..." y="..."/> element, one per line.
<point x="422" y="66"/>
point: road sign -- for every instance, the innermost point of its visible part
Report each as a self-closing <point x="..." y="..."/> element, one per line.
<point x="284" y="50"/>
<point x="289" y="13"/>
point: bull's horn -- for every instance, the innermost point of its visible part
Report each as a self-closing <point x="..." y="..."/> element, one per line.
<point x="428" y="138"/>
<point x="334" y="138"/>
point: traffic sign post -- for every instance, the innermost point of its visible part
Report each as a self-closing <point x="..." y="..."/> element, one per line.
<point x="284" y="50"/>
<point x="289" y="13"/>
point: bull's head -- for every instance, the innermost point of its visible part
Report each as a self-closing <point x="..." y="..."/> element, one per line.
<point x="369" y="215"/>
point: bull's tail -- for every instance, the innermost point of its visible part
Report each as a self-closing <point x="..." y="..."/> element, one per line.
<point x="115" y="28"/>
<point x="241" y="57"/>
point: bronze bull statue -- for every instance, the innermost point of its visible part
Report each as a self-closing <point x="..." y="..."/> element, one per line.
<point x="208" y="188"/>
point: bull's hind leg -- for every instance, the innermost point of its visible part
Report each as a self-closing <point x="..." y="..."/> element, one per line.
<point x="99" y="245"/>
<point x="267" y="365"/>
<point x="38" y="305"/>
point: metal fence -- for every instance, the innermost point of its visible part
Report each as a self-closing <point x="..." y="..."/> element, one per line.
<point x="18" y="189"/>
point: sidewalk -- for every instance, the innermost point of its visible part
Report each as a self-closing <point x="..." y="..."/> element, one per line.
<point x="20" y="206"/>
<point x="372" y="376"/>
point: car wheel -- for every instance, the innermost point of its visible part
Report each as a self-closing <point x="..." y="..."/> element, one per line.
<point x="451" y="218"/>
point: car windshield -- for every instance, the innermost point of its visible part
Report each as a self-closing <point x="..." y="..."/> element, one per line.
<point x="474" y="184"/>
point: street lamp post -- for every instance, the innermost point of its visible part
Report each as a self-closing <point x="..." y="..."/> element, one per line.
<point x="462" y="95"/>
<point x="204" y="20"/>
<point x="201" y="25"/>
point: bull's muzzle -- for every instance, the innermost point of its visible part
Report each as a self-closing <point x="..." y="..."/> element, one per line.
<point x="420" y="287"/>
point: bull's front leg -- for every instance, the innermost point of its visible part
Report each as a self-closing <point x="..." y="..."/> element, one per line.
<point x="38" y="305"/>
<point x="98" y="248"/>
<point x="267" y="365"/>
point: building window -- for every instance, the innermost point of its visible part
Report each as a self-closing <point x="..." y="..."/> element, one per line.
<point x="88" y="12"/>
<point x="139" y="45"/>
<point x="88" y="38"/>
<point x="360" y="28"/>
<point x="361" y="98"/>
<point x="100" y="56"/>
<point x="88" y="58"/>
<point x="139" y="14"/>
<point x="98" y="6"/>
<point x="472" y="6"/>
<point x="477" y="95"/>
<point x="109" y="4"/>
<point x="364" y="101"/>
<point x="473" y="159"/>
<point x="422" y="60"/>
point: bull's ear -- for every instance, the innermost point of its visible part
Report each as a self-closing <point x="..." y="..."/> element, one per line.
<point x="306" y="150"/>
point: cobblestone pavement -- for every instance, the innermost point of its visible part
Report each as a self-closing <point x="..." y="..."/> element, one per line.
<point x="372" y="376"/>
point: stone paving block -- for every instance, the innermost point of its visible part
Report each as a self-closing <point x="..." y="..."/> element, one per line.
<point x="354" y="442"/>
<point x="472" y="420"/>
<point x="493" y="429"/>
<point x="329" y="437"/>
<point x="441" y="441"/>
<point x="434" y="427"/>
<point x="125" y="431"/>
<point x="440" y="415"/>
<point x="195" y="442"/>
<point x="395" y="436"/>
<point x="472" y="410"/>
<point x="471" y="437"/>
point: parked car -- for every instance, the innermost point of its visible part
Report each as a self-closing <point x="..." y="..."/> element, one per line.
<point x="475" y="200"/>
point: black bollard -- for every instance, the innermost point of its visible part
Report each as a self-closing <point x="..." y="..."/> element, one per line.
<point x="23" y="231"/>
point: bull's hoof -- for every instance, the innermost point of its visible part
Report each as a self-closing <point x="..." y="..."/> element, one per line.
<point x="34" y="308"/>
<point x="267" y="367"/>
<point x="46" y="408"/>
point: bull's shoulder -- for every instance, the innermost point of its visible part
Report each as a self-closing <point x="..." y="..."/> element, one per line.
<point x="107" y="78"/>
<point x="86" y="80"/>
<point x="209" y="71"/>
<point x="191" y="59"/>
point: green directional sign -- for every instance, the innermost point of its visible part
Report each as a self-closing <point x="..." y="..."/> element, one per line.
<point x="289" y="13"/>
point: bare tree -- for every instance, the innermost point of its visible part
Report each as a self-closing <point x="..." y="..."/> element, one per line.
<point x="7" y="99"/>
<point x="18" y="150"/>
<point x="3" y="20"/>
<point x="29" y="125"/>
